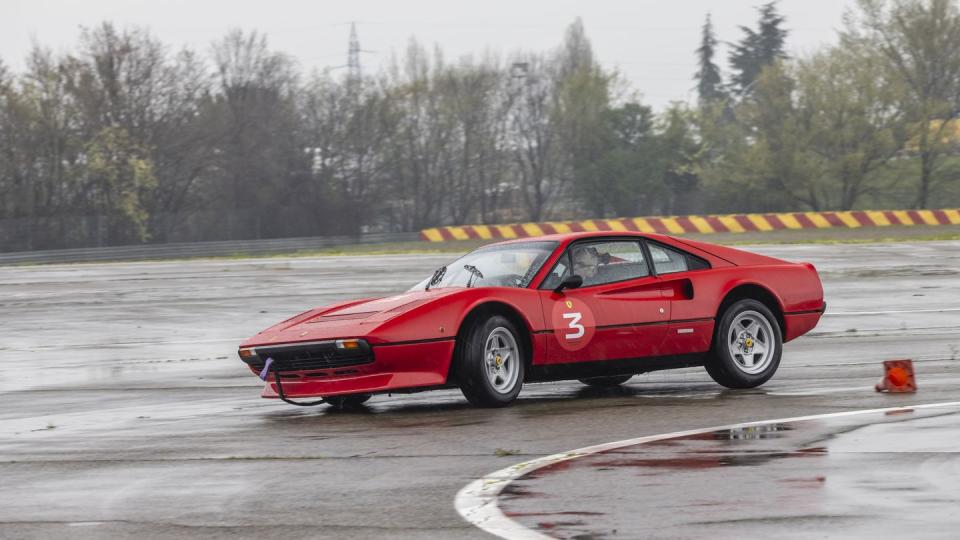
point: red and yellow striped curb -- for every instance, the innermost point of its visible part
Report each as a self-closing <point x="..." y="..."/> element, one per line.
<point x="731" y="223"/>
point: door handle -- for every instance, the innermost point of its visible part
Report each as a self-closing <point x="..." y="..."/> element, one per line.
<point x="678" y="289"/>
<point x="653" y="289"/>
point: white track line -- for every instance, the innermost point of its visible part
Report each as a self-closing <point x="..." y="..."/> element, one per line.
<point x="887" y="312"/>
<point x="477" y="502"/>
<point x="821" y="391"/>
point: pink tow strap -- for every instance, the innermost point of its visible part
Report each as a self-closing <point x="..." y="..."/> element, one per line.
<point x="265" y="372"/>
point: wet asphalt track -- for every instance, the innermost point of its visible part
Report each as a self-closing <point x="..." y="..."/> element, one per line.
<point x="882" y="474"/>
<point x="124" y="412"/>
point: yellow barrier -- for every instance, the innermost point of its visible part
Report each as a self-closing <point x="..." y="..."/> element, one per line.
<point x="733" y="223"/>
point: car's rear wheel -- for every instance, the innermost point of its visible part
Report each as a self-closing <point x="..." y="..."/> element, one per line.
<point x="746" y="347"/>
<point x="606" y="382"/>
<point x="343" y="403"/>
<point x="490" y="362"/>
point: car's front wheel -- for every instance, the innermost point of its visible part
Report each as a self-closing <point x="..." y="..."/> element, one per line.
<point x="746" y="347"/>
<point x="490" y="362"/>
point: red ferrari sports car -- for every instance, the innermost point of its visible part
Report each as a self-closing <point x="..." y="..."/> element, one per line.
<point x="599" y="307"/>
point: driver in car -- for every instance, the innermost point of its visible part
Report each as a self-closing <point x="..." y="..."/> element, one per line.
<point x="586" y="262"/>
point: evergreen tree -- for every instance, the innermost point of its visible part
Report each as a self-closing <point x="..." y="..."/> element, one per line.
<point x="758" y="48"/>
<point x="708" y="76"/>
<point x="771" y="34"/>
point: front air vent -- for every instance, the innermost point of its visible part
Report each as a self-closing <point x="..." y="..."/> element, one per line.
<point x="341" y="317"/>
<point x="409" y="305"/>
<point x="312" y="356"/>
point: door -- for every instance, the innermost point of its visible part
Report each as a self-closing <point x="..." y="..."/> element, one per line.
<point x="691" y="323"/>
<point x="618" y="313"/>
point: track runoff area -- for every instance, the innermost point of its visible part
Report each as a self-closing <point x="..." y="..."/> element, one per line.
<point x="752" y="476"/>
<point x="133" y="397"/>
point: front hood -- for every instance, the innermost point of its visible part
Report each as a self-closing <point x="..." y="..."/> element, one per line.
<point x="348" y="319"/>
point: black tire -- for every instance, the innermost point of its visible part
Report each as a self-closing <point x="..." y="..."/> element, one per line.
<point x="606" y="382"/>
<point x="721" y="364"/>
<point x="472" y="367"/>
<point x="345" y="403"/>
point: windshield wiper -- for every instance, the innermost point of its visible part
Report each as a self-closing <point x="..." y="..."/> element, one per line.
<point x="474" y="273"/>
<point x="437" y="276"/>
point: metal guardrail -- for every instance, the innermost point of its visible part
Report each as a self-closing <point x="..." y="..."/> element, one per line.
<point x="198" y="249"/>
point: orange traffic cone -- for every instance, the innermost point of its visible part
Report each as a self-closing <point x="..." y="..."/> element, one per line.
<point x="898" y="377"/>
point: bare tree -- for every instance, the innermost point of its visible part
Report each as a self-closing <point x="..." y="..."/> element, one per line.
<point x="348" y="127"/>
<point x="45" y="152"/>
<point x="920" y="40"/>
<point x="261" y="154"/>
<point x="473" y="92"/>
<point x="855" y="127"/>
<point x="420" y="150"/>
<point x="535" y="141"/>
<point x="130" y="81"/>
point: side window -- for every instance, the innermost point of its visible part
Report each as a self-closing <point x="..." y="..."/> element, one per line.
<point x="668" y="261"/>
<point x="560" y="271"/>
<point x="608" y="261"/>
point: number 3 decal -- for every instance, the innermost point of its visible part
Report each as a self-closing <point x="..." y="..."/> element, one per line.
<point x="574" y="324"/>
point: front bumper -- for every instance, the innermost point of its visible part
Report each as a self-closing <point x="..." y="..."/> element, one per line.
<point x="311" y="356"/>
<point x="379" y="369"/>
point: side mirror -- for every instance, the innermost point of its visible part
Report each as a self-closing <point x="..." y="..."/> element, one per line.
<point x="571" y="282"/>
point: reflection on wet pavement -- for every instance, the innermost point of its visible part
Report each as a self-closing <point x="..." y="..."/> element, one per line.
<point x="852" y="477"/>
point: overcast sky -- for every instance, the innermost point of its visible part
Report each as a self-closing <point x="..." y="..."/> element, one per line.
<point x="651" y="42"/>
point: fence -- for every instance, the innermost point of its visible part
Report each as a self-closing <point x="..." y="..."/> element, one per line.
<point x="197" y="249"/>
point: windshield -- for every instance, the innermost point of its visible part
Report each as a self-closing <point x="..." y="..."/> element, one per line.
<point x="508" y="265"/>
